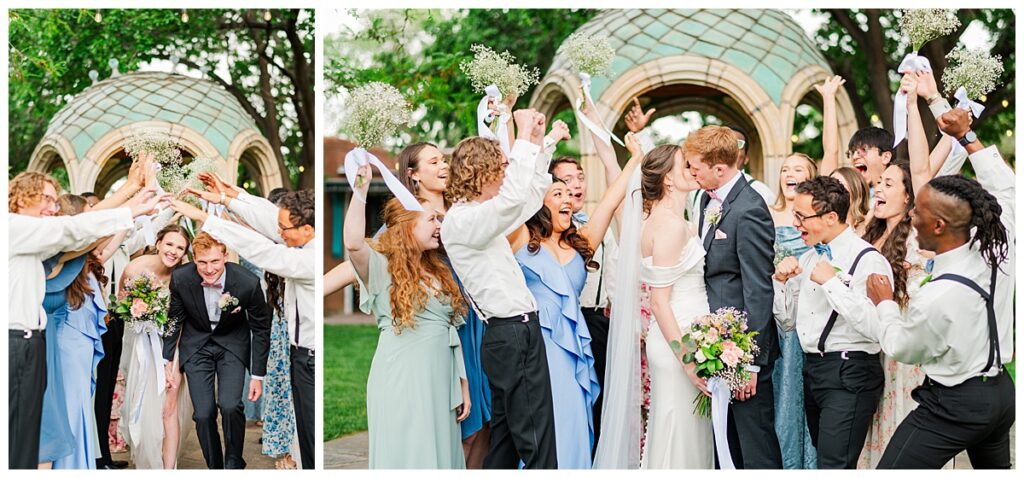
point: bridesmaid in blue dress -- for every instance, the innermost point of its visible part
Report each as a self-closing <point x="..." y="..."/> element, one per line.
<point x="790" y="416"/>
<point x="55" y="439"/>
<point x="555" y="257"/>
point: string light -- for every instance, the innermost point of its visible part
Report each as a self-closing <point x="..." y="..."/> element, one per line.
<point x="98" y="17"/>
<point x="1009" y="132"/>
<point x="302" y="169"/>
<point x="266" y="15"/>
<point x="1006" y="103"/>
<point x="184" y="15"/>
<point x="795" y="138"/>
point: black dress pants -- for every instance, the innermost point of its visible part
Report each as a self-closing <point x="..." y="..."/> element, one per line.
<point x="975" y="416"/>
<point x="106" y="380"/>
<point x="26" y="383"/>
<point x="841" y="393"/>
<point x="522" y="416"/>
<point x="216" y="381"/>
<point x="597" y="323"/>
<point x="304" y="399"/>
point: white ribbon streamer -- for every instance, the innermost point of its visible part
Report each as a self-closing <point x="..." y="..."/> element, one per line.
<point x="600" y="131"/>
<point x="149" y="354"/>
<point x="720" y="394"/>
<point x="965" y="103"/>
<point x="911" y="63"/>
<point x="359" y="157"/>
<point x="484" y="115"/>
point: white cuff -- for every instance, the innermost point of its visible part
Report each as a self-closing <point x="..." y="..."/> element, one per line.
<point x="752" y="368"/>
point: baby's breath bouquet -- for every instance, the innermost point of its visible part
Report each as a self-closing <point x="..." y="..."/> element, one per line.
<point x="588" y="53"/>
<point x="976" y="71"/>
<point x="164" y="149"/>
<point x="922" y="25"/>
<point x="176" y="178"/>
<point x="490" y="68"/>
<point x="373" y="112"/>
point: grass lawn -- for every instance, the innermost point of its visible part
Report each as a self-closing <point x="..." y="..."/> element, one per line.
<point x="347" y="364"/>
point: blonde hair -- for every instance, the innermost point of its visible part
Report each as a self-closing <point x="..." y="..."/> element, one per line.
<point x="714" y="145"/>
<point x="812" y="170"/>
<point x="860" y="194"/>
<point x="26" y="189"/>
<point x="204" y="242"/>
<point x="476" y="162"/>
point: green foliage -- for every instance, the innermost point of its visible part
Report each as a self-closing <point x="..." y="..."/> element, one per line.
<point x="52" y="51"/>
<point x="350" y="350"/>
<point x="419" y="52"/>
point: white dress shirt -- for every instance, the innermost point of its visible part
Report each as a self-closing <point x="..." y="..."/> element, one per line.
<point x="255" y="211"/>
<point x="34" y="239"/>
<point x="722" y="192"/>
<point x="695" y="197"/>
<point x="294" y="264"/>
<point x="474" y="235"/>
<point x="802" y="303"/>
<point x="945" y="326"/>
<point x="600" y="284"/>
<point x="211" y="296"/>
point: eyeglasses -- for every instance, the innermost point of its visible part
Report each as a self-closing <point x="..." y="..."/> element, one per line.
<point x="282" y="228"/>
<point x="800" y="218"/>
<point x="861" y="152"/>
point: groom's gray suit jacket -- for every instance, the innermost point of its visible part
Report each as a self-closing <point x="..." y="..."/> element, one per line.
<point x="738" y="268"/>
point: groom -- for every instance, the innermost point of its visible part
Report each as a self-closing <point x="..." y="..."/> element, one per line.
<point x="224" y="325"/>
<point x="739" y="235"/>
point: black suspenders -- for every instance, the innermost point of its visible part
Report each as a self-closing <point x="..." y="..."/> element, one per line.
<point x="994" y="355"/>
<point x="832" y="317"/>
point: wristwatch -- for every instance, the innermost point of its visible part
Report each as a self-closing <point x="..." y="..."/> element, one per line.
<point x="968" y="138"/>
<point x="933" y="98"/>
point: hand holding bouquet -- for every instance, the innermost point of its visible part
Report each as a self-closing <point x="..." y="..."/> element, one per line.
<point x="721" y="347"/>
<point x="143" y="305"/>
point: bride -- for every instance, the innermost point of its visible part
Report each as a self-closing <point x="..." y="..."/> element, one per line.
<point x="154" y="411"/>
<point x="661" y="249"/>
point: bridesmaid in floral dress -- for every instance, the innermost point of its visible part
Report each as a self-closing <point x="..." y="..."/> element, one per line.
<point x="790" y="417"/>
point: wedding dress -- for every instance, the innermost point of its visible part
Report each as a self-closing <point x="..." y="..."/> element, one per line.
<point x="675" y="436"/>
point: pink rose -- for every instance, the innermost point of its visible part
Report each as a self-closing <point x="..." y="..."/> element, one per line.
<point x="139" y="308"/>
<point x="731" y="354"/>
<point x="711" y="336"/>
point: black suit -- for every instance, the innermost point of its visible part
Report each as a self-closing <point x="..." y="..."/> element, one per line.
<point x="240" y="340"/>
<point x="738" y="273"/>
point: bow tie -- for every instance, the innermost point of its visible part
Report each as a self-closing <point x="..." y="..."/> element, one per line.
<point x="823" y="249"/>
<point x="713" y="195"/>
<point x="212" y="285"/>
<point x="581" y="217"/>
<point x="929" y="265"/>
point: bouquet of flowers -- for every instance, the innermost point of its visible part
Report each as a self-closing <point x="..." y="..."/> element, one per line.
<point x="373" y="112"/>
<point x="922" y="25"/>
<point x="164" y="149"/>
<point x="143" y="305"/>
<point x="490" y="68"/>
<point x="721" y="346"/>
<point x="173" y="175"/>
<point x="591" y="54"/>
<point x="976" y="71"/>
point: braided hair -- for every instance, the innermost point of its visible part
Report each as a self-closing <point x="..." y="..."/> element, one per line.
<point x="989" y="233"/>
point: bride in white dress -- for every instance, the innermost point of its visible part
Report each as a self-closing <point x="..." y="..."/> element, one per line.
<point x="660" y="248"/>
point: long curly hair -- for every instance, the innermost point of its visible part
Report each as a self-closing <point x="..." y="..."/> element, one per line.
<point x="415" y="274"/>
<point x="26" y="189"/>
<point x="540" y="228"/>
<point x="989" y="233"/>
<point x="895" y="246"/>
<point x="476" y="162"/>
<point x="812" y="170"/>
<point x="860" y="194"/>
<point x="655" y="166"/>
<point x="79" y="290"/>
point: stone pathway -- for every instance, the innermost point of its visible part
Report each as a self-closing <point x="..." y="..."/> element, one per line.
<point x="350" y="452"/>
<point x="192" y="456"/>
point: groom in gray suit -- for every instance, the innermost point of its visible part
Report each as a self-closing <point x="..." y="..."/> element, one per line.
<point x="739" y="236"/>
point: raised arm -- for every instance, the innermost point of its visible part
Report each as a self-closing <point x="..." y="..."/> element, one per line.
<point x="830" y="135"/>
<point x="137" y="180"/>
<point x="636" y="120"/>
<point x="917" y="142"/>
<point x="595" y="229"/>
<point x="605" y="152"/>
<point x="355" y="225"/>
<point x="341" y="276"/>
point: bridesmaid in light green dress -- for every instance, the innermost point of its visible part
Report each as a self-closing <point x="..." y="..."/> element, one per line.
<point x="417" y="393"/>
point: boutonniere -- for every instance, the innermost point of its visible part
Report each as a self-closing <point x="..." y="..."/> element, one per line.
<point x="927" y="279"/>
<point x="713" y="214"/>
<point x="227" y="300"/>
<point x="845" y="278"/>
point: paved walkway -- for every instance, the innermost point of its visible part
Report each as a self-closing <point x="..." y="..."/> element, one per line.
<point x="350" y="452"/>
<point x="349" y="319"/>
<point x="192" y="456"/>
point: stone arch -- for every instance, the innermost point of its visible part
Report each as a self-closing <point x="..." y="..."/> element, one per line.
<point x="253" y="150"/>
<point x="52" y="152"/>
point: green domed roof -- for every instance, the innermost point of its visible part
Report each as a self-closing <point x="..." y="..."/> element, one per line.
<point x="766" y="44"/>
<point x="200" y="105"/>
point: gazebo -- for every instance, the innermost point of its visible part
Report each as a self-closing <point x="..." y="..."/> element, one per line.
<point x="751" y="68"/>
<point x="86" y="136"/>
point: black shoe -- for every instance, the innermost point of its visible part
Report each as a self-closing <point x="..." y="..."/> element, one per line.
<point x="118" y="465"/>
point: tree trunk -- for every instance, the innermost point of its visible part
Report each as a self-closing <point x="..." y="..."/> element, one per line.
<point x="270" y="125"/>
<point x="878" y="68"/>
<point x="305" y="104"/>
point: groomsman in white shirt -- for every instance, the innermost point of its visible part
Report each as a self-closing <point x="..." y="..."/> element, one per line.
<point x="959" y="325"/>
<point x="820" y="294"/>
<point x="34" y="234"/>
<point x="493" y="195"/>
<point x="283" y="242"/>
